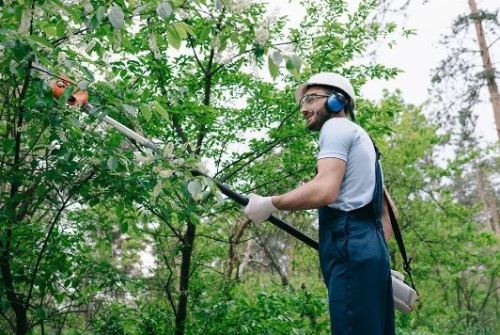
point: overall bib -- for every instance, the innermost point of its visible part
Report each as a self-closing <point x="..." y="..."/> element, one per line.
<point x="355" y="265"/>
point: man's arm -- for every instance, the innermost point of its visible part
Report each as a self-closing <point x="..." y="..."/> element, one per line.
<point x="322" y="190"/>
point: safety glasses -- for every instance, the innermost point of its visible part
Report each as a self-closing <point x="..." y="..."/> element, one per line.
<point x="310" y="98"/>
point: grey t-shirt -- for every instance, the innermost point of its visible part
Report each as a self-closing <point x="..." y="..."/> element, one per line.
<point x="344" y="139"/>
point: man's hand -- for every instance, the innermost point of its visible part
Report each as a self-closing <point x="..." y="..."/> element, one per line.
<point x="259" y="208"/>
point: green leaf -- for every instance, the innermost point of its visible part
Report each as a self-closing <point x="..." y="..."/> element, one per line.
<point x="50" y="30"/>
<point x="41" y="41"/>
<point x="123" y="226"/>
<point x="173" y="37"/>
<point x="258" y="51"/>
<point x="114" y="140"/>
<point x="164" y="10"/>
<point x="40" y="313"/>
<point x="59" y="297"/>
<point x="116" y="17"/>
<point x="180" y="30"/>
<point x="61" y="28"/>
<point x="132" y="110"/>
<point x="186" y="27"/>
<point x="293" y="64"/>
<point x="93" y="22"/>
<point x="146" y="112"/>
<point x="21" y="49"/>
<point x="161" y="110"/>
<point x="273" y="68"/>
<point x="66" y="94"/>
<point x="194" y="188"/>
<point x="112" y="163"/>
<point x="87" y="72"/>
<point x="141" y="9"/>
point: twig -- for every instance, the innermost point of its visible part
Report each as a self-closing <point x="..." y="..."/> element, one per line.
<point x="49" y="234"/>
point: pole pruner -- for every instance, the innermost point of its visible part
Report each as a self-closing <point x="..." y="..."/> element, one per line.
<point x="81" y="98"/>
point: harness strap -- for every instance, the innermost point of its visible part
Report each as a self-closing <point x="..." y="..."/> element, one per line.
<point x="394" y="224"/>
<point x="401" y="245"/>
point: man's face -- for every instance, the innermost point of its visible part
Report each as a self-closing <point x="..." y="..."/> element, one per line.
<point x="313" y="108"/>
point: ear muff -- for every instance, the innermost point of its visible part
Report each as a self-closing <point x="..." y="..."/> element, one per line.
<point x="335" y="102"/>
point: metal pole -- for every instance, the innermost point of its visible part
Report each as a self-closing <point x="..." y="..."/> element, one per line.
<point x="226" y="190"/>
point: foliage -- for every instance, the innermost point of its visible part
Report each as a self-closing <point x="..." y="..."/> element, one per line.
<point x="81" y="207"/>
<point x="455" y="261"/>
<point x="460" y="78"/>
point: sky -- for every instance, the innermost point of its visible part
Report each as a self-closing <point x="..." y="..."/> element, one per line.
<point x="419" y="54"/>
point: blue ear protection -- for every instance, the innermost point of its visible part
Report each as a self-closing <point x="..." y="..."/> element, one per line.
<point x="335" y="102"/>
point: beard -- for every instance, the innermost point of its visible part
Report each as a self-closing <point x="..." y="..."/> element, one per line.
<point x="318" y="120"/>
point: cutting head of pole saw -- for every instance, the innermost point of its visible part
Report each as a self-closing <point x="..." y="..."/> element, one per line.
<point x="79" y="98"/>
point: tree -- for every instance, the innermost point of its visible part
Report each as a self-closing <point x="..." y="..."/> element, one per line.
<point x="460" y="78"/>
<point x="454" y="259"/>
<point x="489" y="71"/>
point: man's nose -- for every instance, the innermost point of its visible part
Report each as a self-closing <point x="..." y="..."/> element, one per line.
<point x="304" y="109"/>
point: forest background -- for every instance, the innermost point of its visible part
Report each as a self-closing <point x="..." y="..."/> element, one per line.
<point x="101" y="236"/>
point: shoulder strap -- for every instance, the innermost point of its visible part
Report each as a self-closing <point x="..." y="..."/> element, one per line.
<point x="399" y="240"/>
<point x="396" y="230"/>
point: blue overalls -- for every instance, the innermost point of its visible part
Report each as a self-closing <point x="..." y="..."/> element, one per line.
<point x="355" y="266"/>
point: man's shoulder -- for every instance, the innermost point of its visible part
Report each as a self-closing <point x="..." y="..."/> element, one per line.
<point x="340" y="121"/>
<point x="346" y="130"/>
<point x="341" y="125"/>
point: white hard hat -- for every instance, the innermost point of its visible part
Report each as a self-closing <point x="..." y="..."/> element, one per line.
<point x="327" y="79"/>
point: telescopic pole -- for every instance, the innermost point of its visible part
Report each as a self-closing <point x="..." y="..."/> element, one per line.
<point x="226" y="190"/>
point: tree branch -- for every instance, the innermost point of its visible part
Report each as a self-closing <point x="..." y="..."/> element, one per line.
<point x="175" y="121"/>
<point x="490" y="290"/>
<point x="190" y="39"/>
<point x="49" y="233"/>
<point x="9" y="321"/>
<point x="491" y="44"/>
<point x="168" y="286"/>
<point x="249" y="154"/>
<point x="164" y="220"/>
<point x="61" y="40"/>
<point x="248" y="51"/>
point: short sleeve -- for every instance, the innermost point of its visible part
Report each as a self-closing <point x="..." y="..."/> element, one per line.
<point x="335" y="139"/>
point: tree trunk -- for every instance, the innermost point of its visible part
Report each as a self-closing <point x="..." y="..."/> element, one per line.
<point x="247" y="256"/>
<point x="275" y="263"/>
<point x="16" y="303"/>
<point x="492" y="201"/>
<point x="15" y="300"/>
<point x="234" y="241"/>
<point x="490" y="211"/>
<point x="489" y="71"/>
<point x="187" y="251"/>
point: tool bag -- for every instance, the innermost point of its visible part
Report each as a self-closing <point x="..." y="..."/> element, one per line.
<point x="405" y="296"/>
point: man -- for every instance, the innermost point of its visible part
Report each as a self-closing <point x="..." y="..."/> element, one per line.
<point x="347" y="191"/>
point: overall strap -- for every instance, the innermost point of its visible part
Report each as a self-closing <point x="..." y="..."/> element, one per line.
<point x="401" y="245"/>
<point x="392" y="216"/>
<point x="378" y="190"/>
